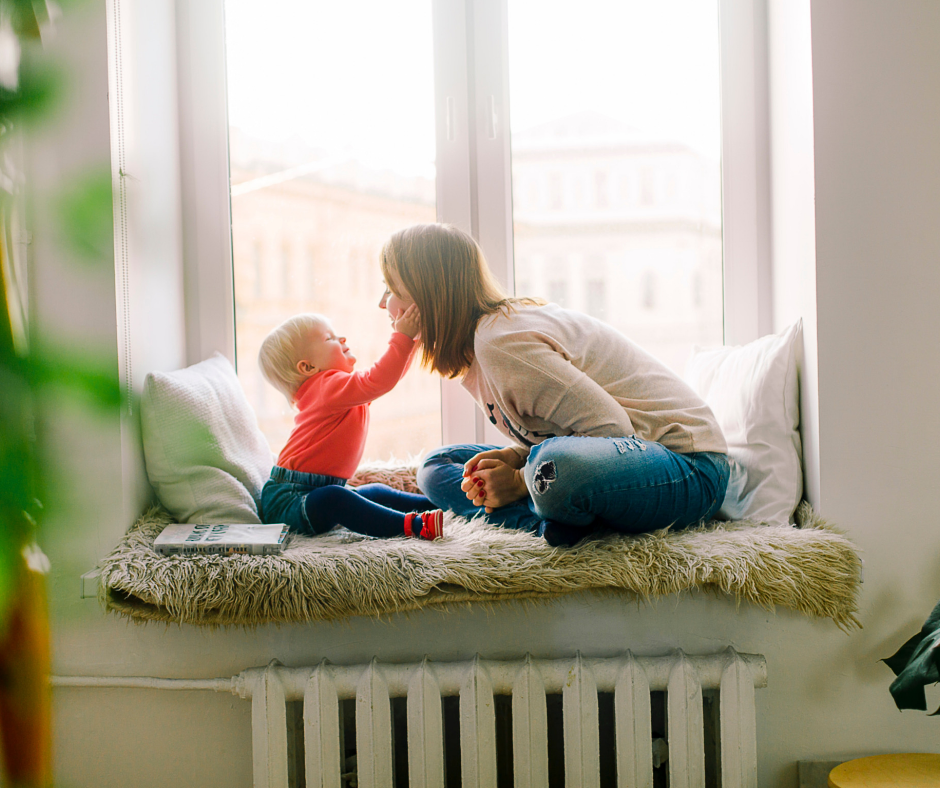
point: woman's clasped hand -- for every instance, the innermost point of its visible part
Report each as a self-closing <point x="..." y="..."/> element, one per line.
<point x="494" y="478"/>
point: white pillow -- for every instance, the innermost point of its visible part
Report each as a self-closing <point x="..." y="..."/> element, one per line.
<point x="753" y="391"/>
<point x="206" y="457"/>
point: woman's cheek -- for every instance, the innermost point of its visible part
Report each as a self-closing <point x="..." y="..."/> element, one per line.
<point x="395" y="305"/>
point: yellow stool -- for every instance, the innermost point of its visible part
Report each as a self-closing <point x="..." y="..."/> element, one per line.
<point x="903" y="770"/>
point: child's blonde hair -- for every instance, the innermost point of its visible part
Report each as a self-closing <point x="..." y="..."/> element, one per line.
<point x="281" y="350"/>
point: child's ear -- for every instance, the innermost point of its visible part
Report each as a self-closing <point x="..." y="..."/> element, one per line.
<point x="306" y="368"/>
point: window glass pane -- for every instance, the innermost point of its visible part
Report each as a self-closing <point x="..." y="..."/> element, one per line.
<point x="332" y="149"/>
<point x="615" y="165"/>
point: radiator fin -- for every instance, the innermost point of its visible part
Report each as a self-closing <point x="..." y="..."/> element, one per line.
<point x="738" y="725"/>
<point x="373" y="730"/>
<point x="529" y="728"/>
<point x="634" y="730"/>
<point x="322" y="753"/>
<point x="269" y="727"/>
<point x="685" y="726"/>
<point x="477" y="729"/>
<point x="582" y="757"/>
<point x="425" y="730"/>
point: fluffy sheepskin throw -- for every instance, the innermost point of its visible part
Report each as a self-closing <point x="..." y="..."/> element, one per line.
<point x="812" y="569"/>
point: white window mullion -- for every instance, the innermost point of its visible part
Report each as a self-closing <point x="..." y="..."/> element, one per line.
<point x="204" y="168"/>
<point x="490" y="160"/>
<point x="490" y="155"/>
<point x="451" y="89"/>
<point x="745" y="171"/>
<point x="460" y="418"/>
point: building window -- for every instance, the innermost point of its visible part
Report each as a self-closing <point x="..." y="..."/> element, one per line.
<point x="257" y="267"/>
<point x="672" y="187"/>
<point x="647" y="187"/>
<point x="534" y="197"/>
<point x="285" y="271"/>
<point x="310" y="267"/>
<point x="261" y="405"/>
<point x="556" y="191"/>
<point x="595" y="304"/>
<point x="648" y="290"/>
<point x="578" y="193"/>
<point x="627" y="194"/>
<point x="558" y="292"/>
<point x="698" y="296"/>
<point x="600" y="189"/>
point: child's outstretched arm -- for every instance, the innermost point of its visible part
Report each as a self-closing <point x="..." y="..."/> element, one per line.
<point x="408" y="322"/>
<point x="358" y="388"/>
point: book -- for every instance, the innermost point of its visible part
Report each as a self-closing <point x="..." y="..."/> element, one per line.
<point x="221" y="539"/>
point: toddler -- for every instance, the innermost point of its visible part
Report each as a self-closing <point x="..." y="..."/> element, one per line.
<point x="311" y="365"/>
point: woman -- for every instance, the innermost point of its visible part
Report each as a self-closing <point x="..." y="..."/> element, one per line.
<point x="604" y="435"/>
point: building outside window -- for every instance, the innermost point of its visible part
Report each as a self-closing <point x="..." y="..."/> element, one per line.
<point x="595" y="300"/>
<point x="600" y="189"/>
<point x="556" y="191"/>
<point x="648" y="290"/>
<point x="627" y="189"/>
<point x="286" y="282"/>
<point x="558" y="292"/>
<point x="257" y="268"/>
<point x="647" y="186"/>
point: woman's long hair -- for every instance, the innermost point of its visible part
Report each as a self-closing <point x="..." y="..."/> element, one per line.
<point x="444" y="271"/>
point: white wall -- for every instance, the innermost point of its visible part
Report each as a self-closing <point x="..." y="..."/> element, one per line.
<point x="876" y="178"/>
<point x="73" y="299"/>
<point x="876" y="84"/>
<point x="861" y="83"/>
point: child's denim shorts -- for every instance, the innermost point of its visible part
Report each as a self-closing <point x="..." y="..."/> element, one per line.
<point x="284" y="494"/>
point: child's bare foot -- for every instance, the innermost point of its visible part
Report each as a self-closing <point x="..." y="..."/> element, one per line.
<point x="432" y="525"/>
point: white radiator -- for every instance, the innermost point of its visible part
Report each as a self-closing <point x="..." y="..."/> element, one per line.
<point x="528" y="681"/>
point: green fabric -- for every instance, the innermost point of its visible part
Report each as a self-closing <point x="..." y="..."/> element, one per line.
<point x="917" y="664"/>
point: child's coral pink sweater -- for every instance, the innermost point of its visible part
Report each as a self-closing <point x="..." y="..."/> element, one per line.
<point x="332" y="422"/>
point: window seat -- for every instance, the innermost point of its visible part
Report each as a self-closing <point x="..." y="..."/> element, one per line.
<point x="812" y="569"/>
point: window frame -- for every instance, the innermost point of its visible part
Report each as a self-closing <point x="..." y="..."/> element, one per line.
<point x="209" y="282"/>
<point x="474" y="186"/>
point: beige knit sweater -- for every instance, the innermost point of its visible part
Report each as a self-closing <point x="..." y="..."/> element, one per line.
<point x="541" y="372"/>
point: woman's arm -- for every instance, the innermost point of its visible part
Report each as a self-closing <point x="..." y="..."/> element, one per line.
<point x="540" y="382"/>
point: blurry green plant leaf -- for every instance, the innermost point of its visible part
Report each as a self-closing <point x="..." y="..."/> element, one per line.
<point x="39" y="86"/>
<point x="85" y="373"/>
<point x="28" y="16"/>
<point x="19" y="476"/>
<point x="86" y="218"/>
<point x="22" y="478"/>
<point x="80" y="371"/>
<point x="917" y="664"/>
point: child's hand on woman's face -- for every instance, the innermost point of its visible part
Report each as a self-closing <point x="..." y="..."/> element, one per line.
<point x="408" y="322"/>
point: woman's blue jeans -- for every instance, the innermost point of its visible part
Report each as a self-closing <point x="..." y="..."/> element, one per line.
<point x="624" y="484"/>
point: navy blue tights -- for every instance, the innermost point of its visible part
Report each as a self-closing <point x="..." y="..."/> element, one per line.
<point x="373" y="509"/>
